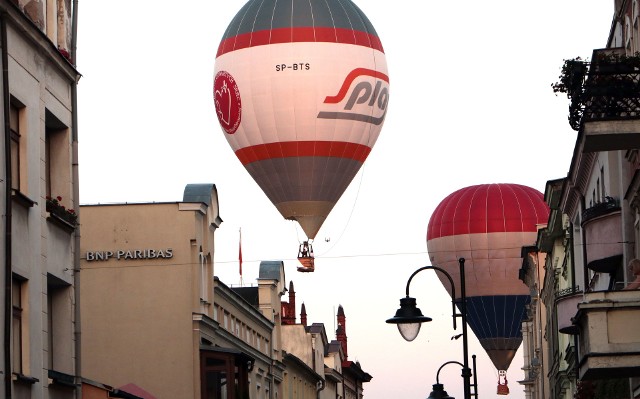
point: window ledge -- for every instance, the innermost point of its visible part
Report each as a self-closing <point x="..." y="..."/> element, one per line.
<point x="25" y="379"/>
<point x="22" y="199"/>
<point x="61" y="379"/>
<point x="60" y="222"/>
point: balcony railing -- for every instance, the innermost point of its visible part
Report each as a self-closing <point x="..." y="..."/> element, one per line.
<point x="604" y="99"/>
<point x="612" y="89"/>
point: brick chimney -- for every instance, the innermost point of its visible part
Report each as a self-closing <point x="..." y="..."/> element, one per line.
<point x="289" y="308"/>
<point x="341" y="331"/>
<point x="303" y="315"/>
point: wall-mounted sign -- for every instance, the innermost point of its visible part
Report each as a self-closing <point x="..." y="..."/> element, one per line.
<point x="129" y="254"/>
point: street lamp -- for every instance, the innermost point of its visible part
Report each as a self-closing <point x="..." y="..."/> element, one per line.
<point x="409" y="318"/>
<point x="438" y="389"/>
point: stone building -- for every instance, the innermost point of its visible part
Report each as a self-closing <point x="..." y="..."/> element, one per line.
<point x="39" y="248"/>
<point x="592" y="240"/>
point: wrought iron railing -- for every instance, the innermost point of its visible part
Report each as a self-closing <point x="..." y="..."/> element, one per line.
<point x="607" y="206"/>
<point x="607" y="88"/>
<point x="568" y="291"/>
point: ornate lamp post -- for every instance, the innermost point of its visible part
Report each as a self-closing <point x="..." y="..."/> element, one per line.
<point x="409" y="318"/>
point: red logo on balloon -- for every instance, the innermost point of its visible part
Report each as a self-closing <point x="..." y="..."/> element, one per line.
<point x="227" y="99"/>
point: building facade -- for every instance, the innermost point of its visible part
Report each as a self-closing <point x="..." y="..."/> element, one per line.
<point x="147" y="297"/>
<point x="40" y="201"/>
<point x="311" y="366"/>
<point x="248" y="319"/>
<point x="592" y="241"/>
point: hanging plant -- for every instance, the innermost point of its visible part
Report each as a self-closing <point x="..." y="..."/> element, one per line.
<point x="571" y="82"/>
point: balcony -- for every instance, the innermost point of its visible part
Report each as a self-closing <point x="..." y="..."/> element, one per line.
<point x="566" y="308"/>
<point x="602" y="226"/>
<point x="612" y="102"/>
<point x="605" y="99"/>
<point x="609" y="334"/>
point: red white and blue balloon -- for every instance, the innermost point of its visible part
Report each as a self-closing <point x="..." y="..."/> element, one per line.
<point x="488" y="225"/>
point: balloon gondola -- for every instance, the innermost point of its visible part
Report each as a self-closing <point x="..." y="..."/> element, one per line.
<point x="301" y="91"/>
<point x="306" y="257"/>
<point x="488" y="225"/>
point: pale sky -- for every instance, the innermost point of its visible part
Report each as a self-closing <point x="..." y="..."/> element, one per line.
<point x="470" y="103"/>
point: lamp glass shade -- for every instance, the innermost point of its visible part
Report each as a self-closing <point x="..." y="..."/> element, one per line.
<point x="409" y="331"/>
<point x="439" y="393"/>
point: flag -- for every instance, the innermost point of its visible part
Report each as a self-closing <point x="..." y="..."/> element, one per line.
<point x="240" y="252"/>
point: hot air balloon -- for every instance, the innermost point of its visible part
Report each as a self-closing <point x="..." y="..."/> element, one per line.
<point x="488" y="225"/>
<point x="301" y="92"/>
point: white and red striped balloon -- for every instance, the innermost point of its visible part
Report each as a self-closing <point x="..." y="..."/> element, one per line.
<point x="301" y="91"/>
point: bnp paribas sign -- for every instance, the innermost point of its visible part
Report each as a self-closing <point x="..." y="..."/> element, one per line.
<point x="133" y="254"/>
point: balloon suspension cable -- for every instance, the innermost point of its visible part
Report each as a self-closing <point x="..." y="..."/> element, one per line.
<point x="503" y="388"/>
<point x="353" y="207"/>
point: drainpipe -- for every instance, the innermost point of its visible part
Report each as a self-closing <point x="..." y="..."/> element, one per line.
<point x="319" y="387"/>
<point x="573" y="258"/>
<point x="76" y="204"/>
<point x="7" y="198"/>
<point x="585" y="272"/>
<point x="573" y="284"/>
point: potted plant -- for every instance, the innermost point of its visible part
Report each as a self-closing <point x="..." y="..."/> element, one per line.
<point x="55" y="208"/>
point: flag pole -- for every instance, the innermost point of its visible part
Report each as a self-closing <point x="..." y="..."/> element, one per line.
<point x="240" y="255"/>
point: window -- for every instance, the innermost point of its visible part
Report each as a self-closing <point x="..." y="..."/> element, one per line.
<point x="14" y="122"/>
<point x="18" y="291"/>
<point x="59" y="323"/>
<point x="223" y="375"/>
<point x="205" y="280"/>
<point x="57" y="158"/>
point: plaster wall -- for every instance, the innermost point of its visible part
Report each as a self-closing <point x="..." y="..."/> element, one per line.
<point x="137" y="313"/>
<point x="298" y="342"/>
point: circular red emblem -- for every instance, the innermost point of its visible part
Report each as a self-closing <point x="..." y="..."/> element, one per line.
<point x="227" y="98"/>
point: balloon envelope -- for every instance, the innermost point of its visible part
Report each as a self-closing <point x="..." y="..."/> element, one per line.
<point x="301" y="92"/>
<point x="488" y="225"/>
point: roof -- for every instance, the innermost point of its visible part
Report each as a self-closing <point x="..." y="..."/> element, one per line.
<point x="198" y="193"/>
<point x="130" y="391"/>
<point x="302" y="365"/>
<point x="271" y="270"/>
<point x="355" y="369"/>
<point x="249" y="294"/>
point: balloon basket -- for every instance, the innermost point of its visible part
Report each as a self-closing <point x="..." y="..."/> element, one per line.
<point x="305" y="257"/>
<point x="307" y="265"/>
<point x="503" y="388"/>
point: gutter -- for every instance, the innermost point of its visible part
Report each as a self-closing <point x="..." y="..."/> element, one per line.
<point x="76" y="202"/>
<point x="7" y="197"/>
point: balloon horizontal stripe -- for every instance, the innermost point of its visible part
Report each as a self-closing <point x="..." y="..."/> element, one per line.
<point x="489" y="208"/>
<point x="335" y="149"/>
<point x="298" y="35"/>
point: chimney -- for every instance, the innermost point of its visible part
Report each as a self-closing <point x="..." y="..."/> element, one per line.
<point x="289" y="308"/>
<point x="303" y="315"/>
<point x="341" y="332"/>
<point x="292" y="304"/>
